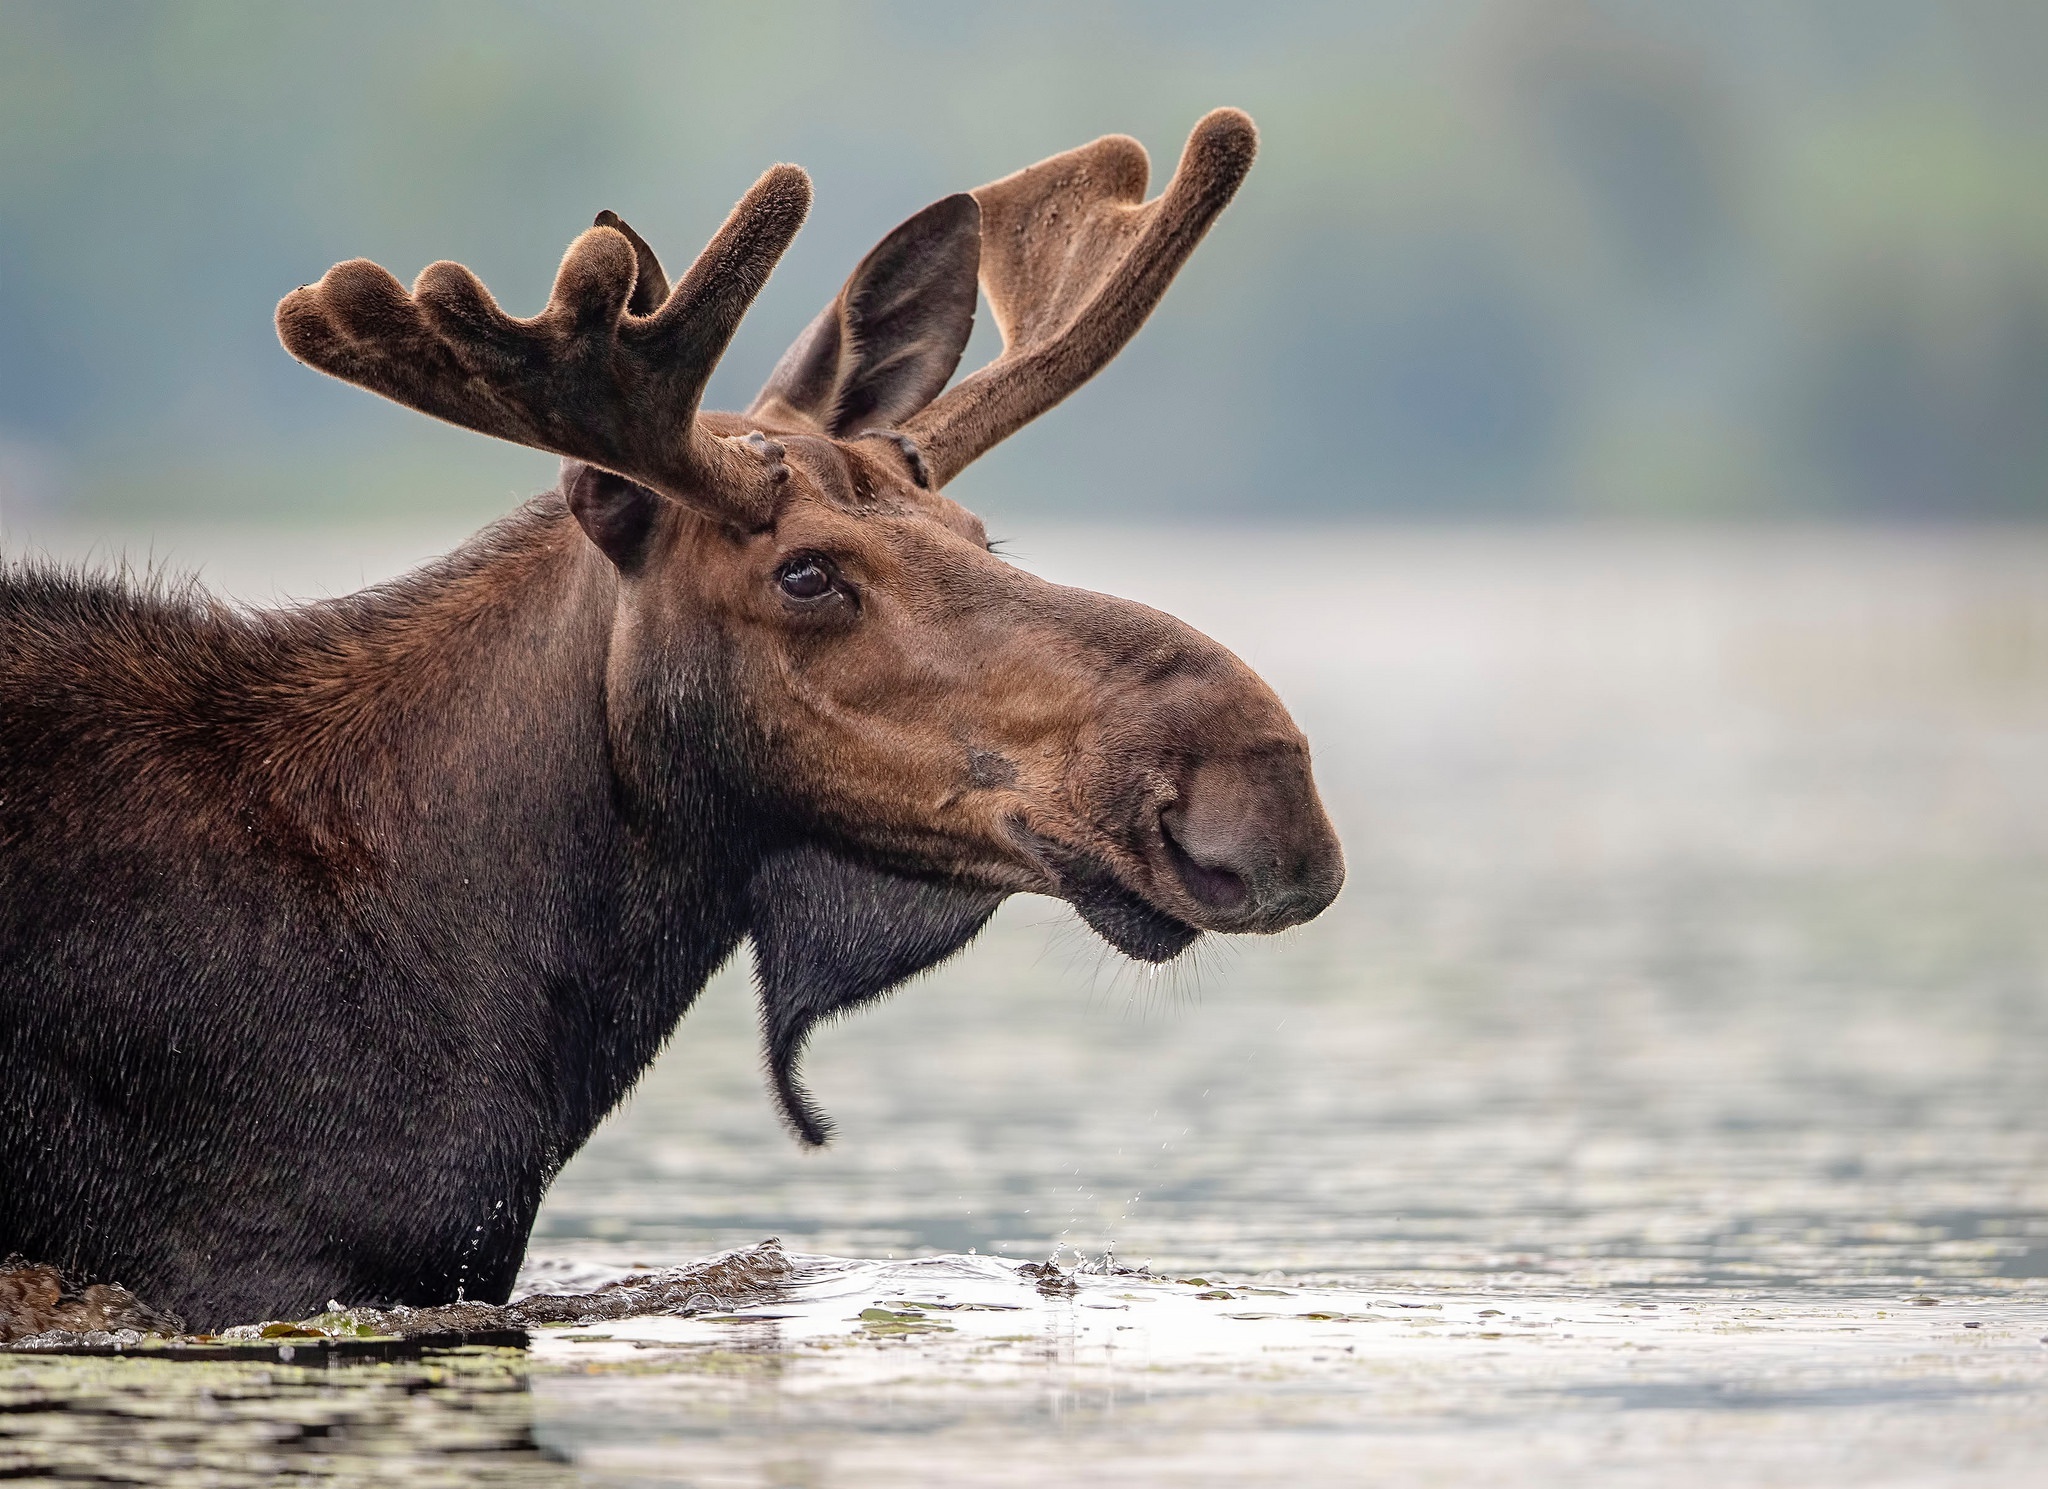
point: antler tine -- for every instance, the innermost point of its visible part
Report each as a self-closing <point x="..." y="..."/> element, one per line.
<point x="587" y="377"/>
<point x="1073" y="260"/>
<point x="650" y="285"/>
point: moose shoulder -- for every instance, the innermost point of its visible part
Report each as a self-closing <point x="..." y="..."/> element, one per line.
<point x="328" y="934"/>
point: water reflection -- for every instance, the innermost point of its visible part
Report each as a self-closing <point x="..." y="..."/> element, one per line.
<point x="960" y="1371"/>
<point x="453" y="1417"/>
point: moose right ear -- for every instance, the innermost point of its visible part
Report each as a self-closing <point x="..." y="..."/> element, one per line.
<point x="617" y="514"/>
<point x="893" y="336"/>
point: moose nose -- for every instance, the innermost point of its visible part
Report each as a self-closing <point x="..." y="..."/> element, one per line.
<point x="1251" y="843"/>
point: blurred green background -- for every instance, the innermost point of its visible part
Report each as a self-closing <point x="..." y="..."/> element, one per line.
<point x="1499" y="257"/>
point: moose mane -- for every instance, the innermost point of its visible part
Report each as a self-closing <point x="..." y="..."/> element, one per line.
<point x="281" y="711"/>
<point x="150" y="641"/>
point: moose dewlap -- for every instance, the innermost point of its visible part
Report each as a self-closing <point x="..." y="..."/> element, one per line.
<point x="329" y="933"/>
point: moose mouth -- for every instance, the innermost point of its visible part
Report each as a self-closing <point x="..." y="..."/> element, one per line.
<point x="1120" y="915"/>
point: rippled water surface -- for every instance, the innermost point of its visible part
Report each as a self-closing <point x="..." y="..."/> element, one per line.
<point x="1664" y="1102"/>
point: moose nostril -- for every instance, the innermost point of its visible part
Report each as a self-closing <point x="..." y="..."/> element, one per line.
<point x="1217" y="886"/>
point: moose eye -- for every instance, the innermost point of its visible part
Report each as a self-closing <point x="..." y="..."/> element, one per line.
<point x="804" y="579"/>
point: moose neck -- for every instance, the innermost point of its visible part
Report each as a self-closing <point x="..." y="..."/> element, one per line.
<point x="458" y="748"/>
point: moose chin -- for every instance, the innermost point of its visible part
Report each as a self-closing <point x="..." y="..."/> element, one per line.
<point x="329" y="933"/>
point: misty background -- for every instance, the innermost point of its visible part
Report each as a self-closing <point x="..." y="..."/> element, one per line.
<point x="1498" y="257"/>
<point x="1619" y="431"/>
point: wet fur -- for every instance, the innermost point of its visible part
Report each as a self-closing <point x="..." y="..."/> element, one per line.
<point x="327" y="935"/>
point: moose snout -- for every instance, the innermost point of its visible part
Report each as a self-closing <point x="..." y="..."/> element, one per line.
<point x="1250" y="842"/>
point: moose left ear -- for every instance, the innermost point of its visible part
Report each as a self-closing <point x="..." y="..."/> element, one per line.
<point x="830" y="935"/>
<point x="617" y="514"/>
<point x="887" y="344"/>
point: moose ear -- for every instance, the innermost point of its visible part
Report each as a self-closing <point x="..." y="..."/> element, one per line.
<point x="830" y="935"/>
<point x="618" y="514"/>
<point x="885" y="347"/>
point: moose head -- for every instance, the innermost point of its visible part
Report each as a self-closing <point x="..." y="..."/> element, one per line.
<point x="918" y="727"/>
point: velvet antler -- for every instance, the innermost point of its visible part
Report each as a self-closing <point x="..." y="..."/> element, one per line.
<point x="1072" y="260"/>
<point x="609" y="373"/>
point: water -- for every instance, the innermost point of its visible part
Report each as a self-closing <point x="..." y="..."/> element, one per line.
<point x="1662" y="1103"/>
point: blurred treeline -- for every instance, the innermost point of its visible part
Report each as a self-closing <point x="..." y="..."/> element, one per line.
<point x="1498" y="257"/>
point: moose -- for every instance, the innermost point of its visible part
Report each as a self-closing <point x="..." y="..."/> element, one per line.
<point x="328" y="933"/>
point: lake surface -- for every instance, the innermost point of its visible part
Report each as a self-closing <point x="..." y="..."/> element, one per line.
<point x="1665" y="1101"/>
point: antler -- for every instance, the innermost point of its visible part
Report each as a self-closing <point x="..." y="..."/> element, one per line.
<point x="1072" y="260"/>
<point x="610" y="372"/>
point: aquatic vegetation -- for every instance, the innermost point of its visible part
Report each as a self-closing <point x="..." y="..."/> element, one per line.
<point x="37" y="1302"/>
<point x="109" y="1320"/>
